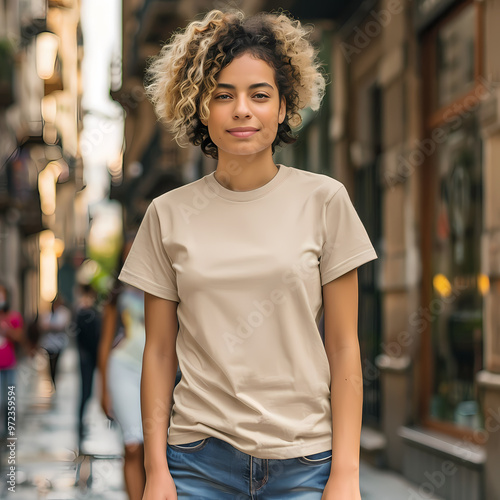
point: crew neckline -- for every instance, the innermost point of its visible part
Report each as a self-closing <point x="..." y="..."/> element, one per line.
<point x="251" y="194"/>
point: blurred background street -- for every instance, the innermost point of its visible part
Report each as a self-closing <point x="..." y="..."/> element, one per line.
<point x="410" y="124"/>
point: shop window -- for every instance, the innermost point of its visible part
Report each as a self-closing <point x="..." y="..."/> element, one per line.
<point x="452" y="284"/>
<point x="457" y="285"/>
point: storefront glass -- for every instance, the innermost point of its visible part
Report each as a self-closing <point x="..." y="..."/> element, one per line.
<point x="458" y="286"/>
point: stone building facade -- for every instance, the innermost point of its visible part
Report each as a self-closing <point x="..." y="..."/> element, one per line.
<point x="41" y="168"/>
<point x="411" y="125"/>
<point x="415" y="106"/>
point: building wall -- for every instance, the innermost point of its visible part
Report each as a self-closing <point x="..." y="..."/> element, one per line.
<point x="394" y="55"/>
<point x="489" y="378"/>
<point x="383" y="51"/>
<point x="34" y="140"/>
<point x="364" y="55"/>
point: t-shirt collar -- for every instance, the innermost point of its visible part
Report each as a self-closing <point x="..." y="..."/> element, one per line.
<point x="250" y="195"/>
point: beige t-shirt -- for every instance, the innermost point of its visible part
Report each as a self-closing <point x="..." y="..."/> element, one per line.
<point x="246" y="268"/>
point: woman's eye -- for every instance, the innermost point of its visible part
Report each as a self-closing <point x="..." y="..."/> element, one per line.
<point x="261" y="96"/>
<point x="222" y="97"/>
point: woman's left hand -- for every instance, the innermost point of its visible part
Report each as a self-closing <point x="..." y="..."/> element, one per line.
<point x="342" y="488"/>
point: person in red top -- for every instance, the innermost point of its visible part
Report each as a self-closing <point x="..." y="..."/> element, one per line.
<point x="11" y="331"/>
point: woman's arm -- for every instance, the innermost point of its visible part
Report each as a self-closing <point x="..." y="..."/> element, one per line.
<point x="108" y="329"/>
<point x="159" y="367"/>
<point x="340" y="299"/>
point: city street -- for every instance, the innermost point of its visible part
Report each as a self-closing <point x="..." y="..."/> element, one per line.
<point x="368" y="148"/>
<point x="47" y="461"/>
<point x="49" y="468"/>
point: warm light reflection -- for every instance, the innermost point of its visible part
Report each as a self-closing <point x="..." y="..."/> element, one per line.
<point x="483" y="284"/>
<point x="49" y="134"/>
<point x="87" y="271"/>
<point x="46" y="52"/>
<point x="48" y="265"/>
<point x="47" y="179"/>
<point x="58" y="247"/>
<point x="115" y="168"/>
<point x="49" y="108"/>
<point x="442" y="285"/>
<point x="106" y="229"/>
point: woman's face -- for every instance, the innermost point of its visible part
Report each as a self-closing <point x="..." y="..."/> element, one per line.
<point x="245" y="108"/>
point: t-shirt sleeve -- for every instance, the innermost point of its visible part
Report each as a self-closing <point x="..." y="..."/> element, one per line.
<point x="148" y="266"/>
<point x="347" y="244"/>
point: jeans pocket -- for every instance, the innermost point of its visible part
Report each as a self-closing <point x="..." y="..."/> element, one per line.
<point x="190" y="447"/>
<point x="320" y="458"/>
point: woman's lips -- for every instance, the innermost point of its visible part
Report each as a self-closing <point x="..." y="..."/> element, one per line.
<point x="242" y="132"/>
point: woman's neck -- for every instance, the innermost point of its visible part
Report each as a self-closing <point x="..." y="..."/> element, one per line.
<point x="245" y="173"/>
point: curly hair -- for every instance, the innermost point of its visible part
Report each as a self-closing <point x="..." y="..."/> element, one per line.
<point x="180" y="80"/>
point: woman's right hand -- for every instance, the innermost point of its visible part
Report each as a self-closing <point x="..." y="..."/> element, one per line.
<point x="159" y="486"/>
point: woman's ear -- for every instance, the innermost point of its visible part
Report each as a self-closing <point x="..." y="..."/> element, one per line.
<point x="282" y="112"/>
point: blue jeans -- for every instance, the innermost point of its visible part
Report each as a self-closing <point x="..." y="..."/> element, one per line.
<point x="211" y="469"/>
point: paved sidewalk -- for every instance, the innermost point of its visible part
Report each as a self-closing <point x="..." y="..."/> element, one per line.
<point x="379" y="484"/>
<point x="47" y="445"/>
<point x="47" y="459"/>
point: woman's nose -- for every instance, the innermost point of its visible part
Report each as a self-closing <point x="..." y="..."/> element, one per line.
<point x="241" y="108"/>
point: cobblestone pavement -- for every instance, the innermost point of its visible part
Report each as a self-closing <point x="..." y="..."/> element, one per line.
<point x="48" y="466"/>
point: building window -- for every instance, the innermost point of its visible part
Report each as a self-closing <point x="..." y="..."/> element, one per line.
<point x="455" y="56"/>
<point x="456" y="304"/>
<point x="452" y="287"/>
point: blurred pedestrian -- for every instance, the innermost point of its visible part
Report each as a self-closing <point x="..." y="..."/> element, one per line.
<point x="54" y="333"/>
<point x="120" y="363"/>
<point x="11" y="333"/>
<point x="32" y="335"/>
<point x="88" y="330"/>
<point x="247" y="259"/>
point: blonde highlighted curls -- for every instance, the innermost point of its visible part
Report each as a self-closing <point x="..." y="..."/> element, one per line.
<point x="180" y="80"/>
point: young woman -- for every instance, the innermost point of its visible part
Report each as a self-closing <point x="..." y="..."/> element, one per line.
<point x="88" y="331"/>
<point x="119" y="358"/>
<point x="247" y="258"/>
<point x="54" y="326"/>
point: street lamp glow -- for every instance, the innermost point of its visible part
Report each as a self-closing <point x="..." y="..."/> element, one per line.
<point x="47" y="45"/>
<point x="47" y="179"/>
<point x="49" y="108"/>
<point x="48" y="265"/>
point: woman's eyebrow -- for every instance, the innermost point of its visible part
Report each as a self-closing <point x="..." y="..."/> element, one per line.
<point x="253" y="86"/>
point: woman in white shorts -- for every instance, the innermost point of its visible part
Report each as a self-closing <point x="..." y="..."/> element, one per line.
<point x="120" y="362"/>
